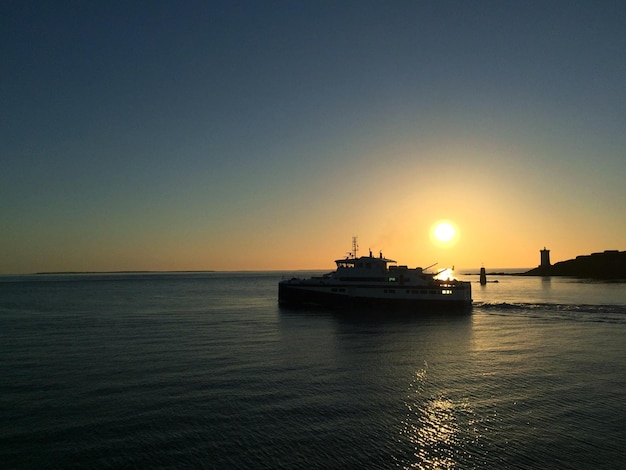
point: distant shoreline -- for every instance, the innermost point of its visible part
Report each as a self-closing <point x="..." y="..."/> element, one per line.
<point x="609" y="264"/>
<point x="118" y="272"/>
<point x="499" y="273"/>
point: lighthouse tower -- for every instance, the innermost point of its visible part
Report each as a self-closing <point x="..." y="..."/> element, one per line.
<point x="545" y="258"/>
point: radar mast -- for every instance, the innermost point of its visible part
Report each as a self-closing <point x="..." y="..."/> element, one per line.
<point x="355" y="247"/>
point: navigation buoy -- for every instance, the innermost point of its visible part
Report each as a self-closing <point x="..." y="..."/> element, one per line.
<point x="483" y="277"/>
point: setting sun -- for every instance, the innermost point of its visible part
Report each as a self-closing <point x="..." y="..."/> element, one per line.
<point x="444" y="233"/>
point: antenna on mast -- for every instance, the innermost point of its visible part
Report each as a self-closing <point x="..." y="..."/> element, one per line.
<point x="355" y="247"/>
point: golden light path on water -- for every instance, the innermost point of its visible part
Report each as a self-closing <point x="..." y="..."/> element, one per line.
<point x="438" y="427"/>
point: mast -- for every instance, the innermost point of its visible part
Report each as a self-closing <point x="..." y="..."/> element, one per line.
<point x="355" y="247"/>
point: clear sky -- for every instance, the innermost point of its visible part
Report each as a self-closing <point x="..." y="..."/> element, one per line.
<point x="192" y="135"/>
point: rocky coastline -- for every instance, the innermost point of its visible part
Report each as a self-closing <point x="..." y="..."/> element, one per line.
<point x="609" y="264"/>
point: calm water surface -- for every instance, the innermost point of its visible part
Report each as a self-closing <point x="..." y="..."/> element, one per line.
<point x="206" y="371"/>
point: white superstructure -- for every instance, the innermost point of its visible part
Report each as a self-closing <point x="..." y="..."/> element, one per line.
<point x="369" y="280"/>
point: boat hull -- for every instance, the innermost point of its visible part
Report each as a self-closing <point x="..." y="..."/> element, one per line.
<point x="302" y="293"/>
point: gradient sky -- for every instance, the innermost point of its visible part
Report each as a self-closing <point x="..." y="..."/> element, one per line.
<point x="169" y="135"/>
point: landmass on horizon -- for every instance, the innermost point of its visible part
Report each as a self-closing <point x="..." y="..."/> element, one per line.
<point x="606" y="265"/>
<point x="609" y="264"/>
<point x="125" y="272"/>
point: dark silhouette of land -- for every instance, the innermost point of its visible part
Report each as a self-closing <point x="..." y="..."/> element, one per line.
<point x="120" y="272"/>
<point x="609" y="264"/>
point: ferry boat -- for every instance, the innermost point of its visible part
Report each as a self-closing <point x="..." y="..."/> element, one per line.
<point x="369" y="281"/>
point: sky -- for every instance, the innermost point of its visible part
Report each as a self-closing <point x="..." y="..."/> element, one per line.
<point x="264" y="135"/>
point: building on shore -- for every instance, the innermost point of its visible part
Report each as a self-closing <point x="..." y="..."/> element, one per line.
<point x="545" y="258"/>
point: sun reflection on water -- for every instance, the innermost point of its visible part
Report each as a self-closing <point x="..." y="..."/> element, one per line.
<point x="438" y="427"/>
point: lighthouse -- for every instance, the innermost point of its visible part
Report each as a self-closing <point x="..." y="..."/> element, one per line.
<point x="483" y="276"/>
<point x="545" y="258"/>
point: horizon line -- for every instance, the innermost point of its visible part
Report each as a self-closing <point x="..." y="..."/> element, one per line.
<point x="183" y="271"/>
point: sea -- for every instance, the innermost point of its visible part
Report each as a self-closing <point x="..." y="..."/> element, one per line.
<point x="206" y="370"/>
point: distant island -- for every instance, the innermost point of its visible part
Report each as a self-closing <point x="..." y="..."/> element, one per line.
<point x="45" y="273"/>
<point x="609" y="264"/>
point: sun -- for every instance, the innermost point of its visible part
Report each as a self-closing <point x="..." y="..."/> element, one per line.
<point x="444" y="233"/>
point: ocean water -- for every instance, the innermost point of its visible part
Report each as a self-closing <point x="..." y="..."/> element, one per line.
<point x="205" y="370"/>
